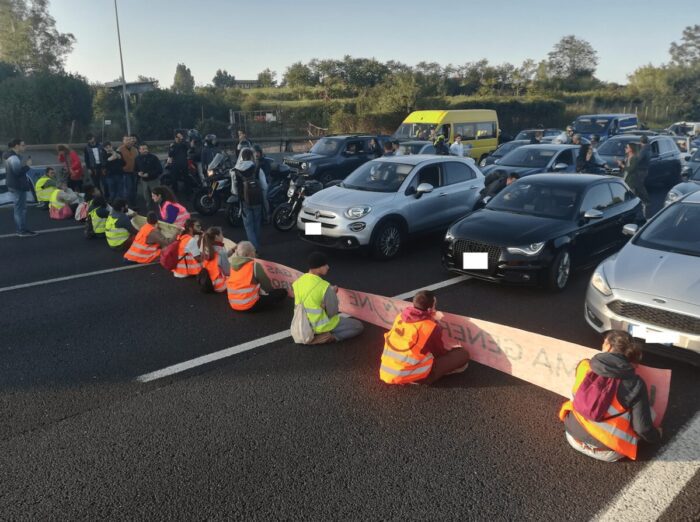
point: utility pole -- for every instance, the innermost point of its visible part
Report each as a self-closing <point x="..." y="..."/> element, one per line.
<point x="121" y="59"/>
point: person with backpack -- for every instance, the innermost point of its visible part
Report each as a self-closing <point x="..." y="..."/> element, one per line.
<point x="251" y="188"/>
<point x="148" y="242"/>
<point x="215" y="264"/>
<point x="414" y="352"/>
<point x="320" y="305"/>
<point x="610" y="409"/>
<point x="187" y="258"/>
<point x="170" y="210"/>
<point x="119" y="230"/>
<point x="249" y="288"/>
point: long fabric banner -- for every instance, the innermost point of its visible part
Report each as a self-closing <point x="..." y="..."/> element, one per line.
<point x="544" y="361"/>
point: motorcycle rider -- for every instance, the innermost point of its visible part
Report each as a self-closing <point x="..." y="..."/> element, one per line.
<point x="210" y="150"/>
<point x="177" y="160"/>
<point x="194" y="152"/>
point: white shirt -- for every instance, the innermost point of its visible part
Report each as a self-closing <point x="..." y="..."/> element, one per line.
<point x="457" y="149"/>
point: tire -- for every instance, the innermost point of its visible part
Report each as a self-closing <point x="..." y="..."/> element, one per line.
<point x="233" y="214"/>
<point x="284" y="218"/>
<point x="387" y="240"/>
<point x="559" y="272"/>
<point x="206" y="204"/>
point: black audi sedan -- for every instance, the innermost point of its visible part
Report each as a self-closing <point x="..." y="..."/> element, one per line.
<point x="540" y="228"/>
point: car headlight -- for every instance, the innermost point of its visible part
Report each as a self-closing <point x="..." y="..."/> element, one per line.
<point x="672" y="196"/>
<point x="482" y="163"/>
<point x="210" y="173"/>
<point x="529" y="250"/>
<point x="685" y="171"/>
<point x="358" y="212"/>
<point x="599" y="282"/>
<point x="304" y="166"/>
<point x="449" y="235"/>
<point x="290" y="191"/>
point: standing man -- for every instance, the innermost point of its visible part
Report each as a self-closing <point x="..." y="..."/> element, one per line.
<point x="128" y="153"/>
<point x="114" y="169"/>
<point x="440" y="146"/>
<point x="177" y="160"/>
<point x="94" y="156"/>
<point x="457" y="149"/>
<point x="321" y="304"/>
<point x="396" y="147"/>
<point x="243" y="142"/>
<point x="18" y="184"/>
<point x="148" y="169"/>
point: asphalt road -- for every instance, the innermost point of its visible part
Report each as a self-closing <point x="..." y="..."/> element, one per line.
<point x="281" y="431"/>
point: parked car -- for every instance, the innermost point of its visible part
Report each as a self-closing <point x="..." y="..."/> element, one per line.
<point x="651" y="288"/>
<point x="604" y="125"/>
<point x="538" y="229"/>
<point x="547" y="134"/>
<point x="386" y="200"/>
<point x="334" y="157"/>
<point x="535" y="159"/>
<point x="684" y="128"/>
<point x="665" y="164"/>
<point x="416" y="147"/>
<point x="691" y="179"/>
<point x="502" y="150"/>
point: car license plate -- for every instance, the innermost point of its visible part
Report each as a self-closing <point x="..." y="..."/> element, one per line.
<point x="652" y="336"/>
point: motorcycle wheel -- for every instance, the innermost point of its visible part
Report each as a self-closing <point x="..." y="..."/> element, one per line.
<point x="284" y="218"/>
<point x="233" y="214"/>
<point x="206" y="204"/>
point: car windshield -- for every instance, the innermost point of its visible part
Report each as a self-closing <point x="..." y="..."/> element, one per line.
<point x="415" y="148"/>
<point x="591" y="125"/>
<point x="414" y="131"/>
<point x="674" y="230"/>
<point x="506" y="148"/>
<point x="529" y="134"/>
<point x="536" y="199"/>
<point x="616" y="147"/>
<point x="378" y="176"/>
<point x="326" y="146"/>
<point x="537" y="156"/>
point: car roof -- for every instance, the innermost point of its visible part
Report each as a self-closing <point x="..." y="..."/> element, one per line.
<point x="611" y="115"/>
<point x="416" y="159"/>
<point x="570" y="180"/>
<point x="693" y="197"/>
<point x="541" y="130"/>
<point x="551" y="146"/>
<point x="344" y="136"/>
<point x="417" y="142"/>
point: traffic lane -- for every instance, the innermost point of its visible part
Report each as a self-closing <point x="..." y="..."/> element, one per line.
<point x="37" y="219"/>
<point x="686" y="505"/>
<point x="560" y="315"/>
<point x="311" y="432"/>
<point x="63" y="342"/>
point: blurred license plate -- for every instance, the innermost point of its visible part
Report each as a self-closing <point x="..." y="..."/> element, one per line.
<point x="652" y="336"/>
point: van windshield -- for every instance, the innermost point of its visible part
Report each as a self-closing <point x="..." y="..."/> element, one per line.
<point x="415" y="131"/>
<point x="592" y="125"/>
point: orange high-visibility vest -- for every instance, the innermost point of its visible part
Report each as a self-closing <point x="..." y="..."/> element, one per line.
<point x="218" y="280"/>
<point x="402" y="360"/>
<point x="187" y="265"/>
<point x="615" y="433"/>
<point x="182" y="214"/>
<point x="242" y="292"/>
<point x="140" y="251"/>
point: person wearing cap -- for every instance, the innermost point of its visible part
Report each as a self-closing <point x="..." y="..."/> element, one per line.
<point x="321" y="304"/>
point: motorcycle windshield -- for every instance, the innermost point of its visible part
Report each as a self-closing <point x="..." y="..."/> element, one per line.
<point x="216" y="161"/>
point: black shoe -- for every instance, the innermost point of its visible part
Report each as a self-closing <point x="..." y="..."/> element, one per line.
<point x="27" y="233"/>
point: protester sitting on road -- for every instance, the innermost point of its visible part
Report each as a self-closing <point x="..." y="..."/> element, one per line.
<point x="148" y="170"/>
<point x="119" y="231"/>
<point x="249" y="288"/>
<point x="321" y="304"/>
<point x="62" y="203"/>
<point x="45" y="186"/>
<point x="413" y="348"/>
<point x="147" y="243"/>
<point x="96" y="222"/>
<point x="74" y="168"/>
<point x="215" y="263"/>
<point x="170" y="210"/>
<point x="189" y="255"/>
<point x="610" y="409"/>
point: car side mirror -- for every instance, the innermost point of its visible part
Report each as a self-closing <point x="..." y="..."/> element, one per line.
<point x="630" y="229"/>
<point x="560" y="167"/>
<point x="423" y="188"/>
<point x="687" y="157"/>
<point x="593" y="213"/>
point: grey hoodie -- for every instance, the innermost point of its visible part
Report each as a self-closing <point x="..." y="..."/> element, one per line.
<point x="632" y="394"/>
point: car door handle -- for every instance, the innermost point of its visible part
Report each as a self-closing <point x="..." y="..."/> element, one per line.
<point x="442" y="194"/>
<point x="474" y="187"/>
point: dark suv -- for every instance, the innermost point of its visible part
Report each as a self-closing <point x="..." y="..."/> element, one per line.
<point x="334" y="157"/>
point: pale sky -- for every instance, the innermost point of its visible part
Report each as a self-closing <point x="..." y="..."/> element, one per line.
<point x="247" y="37"/>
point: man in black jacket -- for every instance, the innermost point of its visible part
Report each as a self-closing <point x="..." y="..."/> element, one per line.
<point x="18" y="184"/>
<point x="148" y="169"/>
<point x="95" y="161"/>
<point x="177" y="160"/>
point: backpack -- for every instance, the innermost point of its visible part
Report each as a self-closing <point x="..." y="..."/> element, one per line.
<point x="301" y="329"/>
<point x="169" y="257"/>
<point x="204" y="281"/>
<point x="595" y="395"/>
<point x="252" y="191"/>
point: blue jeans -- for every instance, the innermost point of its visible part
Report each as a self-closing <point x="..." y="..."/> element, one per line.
<point x="130" y="188"/>
<point x="20" y="211"/>
<point x="115" y="186"/>
<point x="252" y="221"/>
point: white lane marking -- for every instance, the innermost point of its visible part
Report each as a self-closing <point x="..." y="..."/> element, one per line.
<point x="256" y="343"/>
<point x="76" y="276"/>
<point x="47" y="231"/>
<point x="659" y="483"/>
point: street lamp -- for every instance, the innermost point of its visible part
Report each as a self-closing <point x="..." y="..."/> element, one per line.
<point x="121" y="59"/>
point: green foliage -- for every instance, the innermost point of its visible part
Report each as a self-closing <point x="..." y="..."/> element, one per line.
<point x="687" y="52"/>
<point x="29" y="39"/>
<point x="267" y="78"/>
<point x="299" y="75"/>
<point x="223" y="80"/>
<point x="183" y="82"/>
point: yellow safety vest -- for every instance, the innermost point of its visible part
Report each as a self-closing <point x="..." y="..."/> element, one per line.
<point x="310" y="290"/>
<point x="115" y="236"/>
<point x="54" y="202"/>
<point x="98" y="223"/>
<point x="43" y="193"/>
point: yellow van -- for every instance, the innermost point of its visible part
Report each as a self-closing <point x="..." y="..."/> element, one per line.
<point x="478" y="127"/>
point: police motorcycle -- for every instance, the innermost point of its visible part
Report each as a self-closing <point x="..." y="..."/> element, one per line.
<point x="284" y="217"/>
<point x="216" y="187"/>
